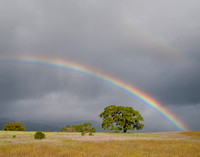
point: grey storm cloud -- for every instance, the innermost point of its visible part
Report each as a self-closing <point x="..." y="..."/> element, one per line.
<point x="152" y="45"/>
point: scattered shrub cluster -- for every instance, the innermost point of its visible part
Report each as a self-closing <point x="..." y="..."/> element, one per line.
<point x="69" y="128"/>
<point x="14" y="126"/>
<point x="83" y="128"/>
<point x="39" y="135"/>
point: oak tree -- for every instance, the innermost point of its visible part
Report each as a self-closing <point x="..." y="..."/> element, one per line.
<point x="121" y="118"/>
<point x="14" y="126"/>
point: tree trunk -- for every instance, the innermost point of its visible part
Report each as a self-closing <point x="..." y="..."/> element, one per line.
<point x="124" y="131"/>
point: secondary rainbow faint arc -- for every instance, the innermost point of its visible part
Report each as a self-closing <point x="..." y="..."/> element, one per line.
<point x="64" y="64"/>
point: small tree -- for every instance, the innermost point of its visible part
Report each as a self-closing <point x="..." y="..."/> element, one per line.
<point x="79" y="128"/>
<point x="121" y="118"/>
<point x="87" y="128"/>
<point x="93" y="130"/>
<point x="14" y="126"/>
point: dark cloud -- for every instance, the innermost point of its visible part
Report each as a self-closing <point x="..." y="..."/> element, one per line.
<point x="151" y="45"/>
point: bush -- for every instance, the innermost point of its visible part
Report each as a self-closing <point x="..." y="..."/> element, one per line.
<point x="14" y="126"/>
<point x="39" y="135"/>
<point x="14" y="136"/>
<point x="83" y="133"/>
<point x="91" y="134"/>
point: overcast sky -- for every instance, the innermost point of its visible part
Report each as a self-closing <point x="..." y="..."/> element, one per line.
<point x="151" y="44"/>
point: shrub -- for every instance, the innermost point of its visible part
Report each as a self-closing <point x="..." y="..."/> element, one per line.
<point x="39" y="135"/>
<point x="14" y="126"/>
<point x="14" y="136"/>
<point x="91" y="134"/>
<point x="83" y="133"/>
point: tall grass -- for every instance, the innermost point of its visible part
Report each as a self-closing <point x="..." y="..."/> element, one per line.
<point x="140" y="148"/>
<point x="192" y="133"/>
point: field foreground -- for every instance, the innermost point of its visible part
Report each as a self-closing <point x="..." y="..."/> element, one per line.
<point x="169" y="144"/>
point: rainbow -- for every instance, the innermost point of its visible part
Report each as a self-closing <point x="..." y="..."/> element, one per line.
<point x="64" y="64"/>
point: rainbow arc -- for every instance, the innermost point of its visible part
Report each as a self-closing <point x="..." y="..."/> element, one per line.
<point x="63" y="64"/>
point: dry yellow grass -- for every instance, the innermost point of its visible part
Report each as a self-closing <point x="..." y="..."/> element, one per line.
<point x="101" y="145"/>
<point x="192" y="133"/>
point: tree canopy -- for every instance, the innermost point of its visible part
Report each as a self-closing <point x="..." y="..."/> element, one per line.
<point x="86" y="127"/>
<point x="121" y="118"/>
<point x="14" y="126"/>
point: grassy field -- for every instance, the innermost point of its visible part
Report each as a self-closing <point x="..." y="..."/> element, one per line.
<point x="169" y="144"/>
